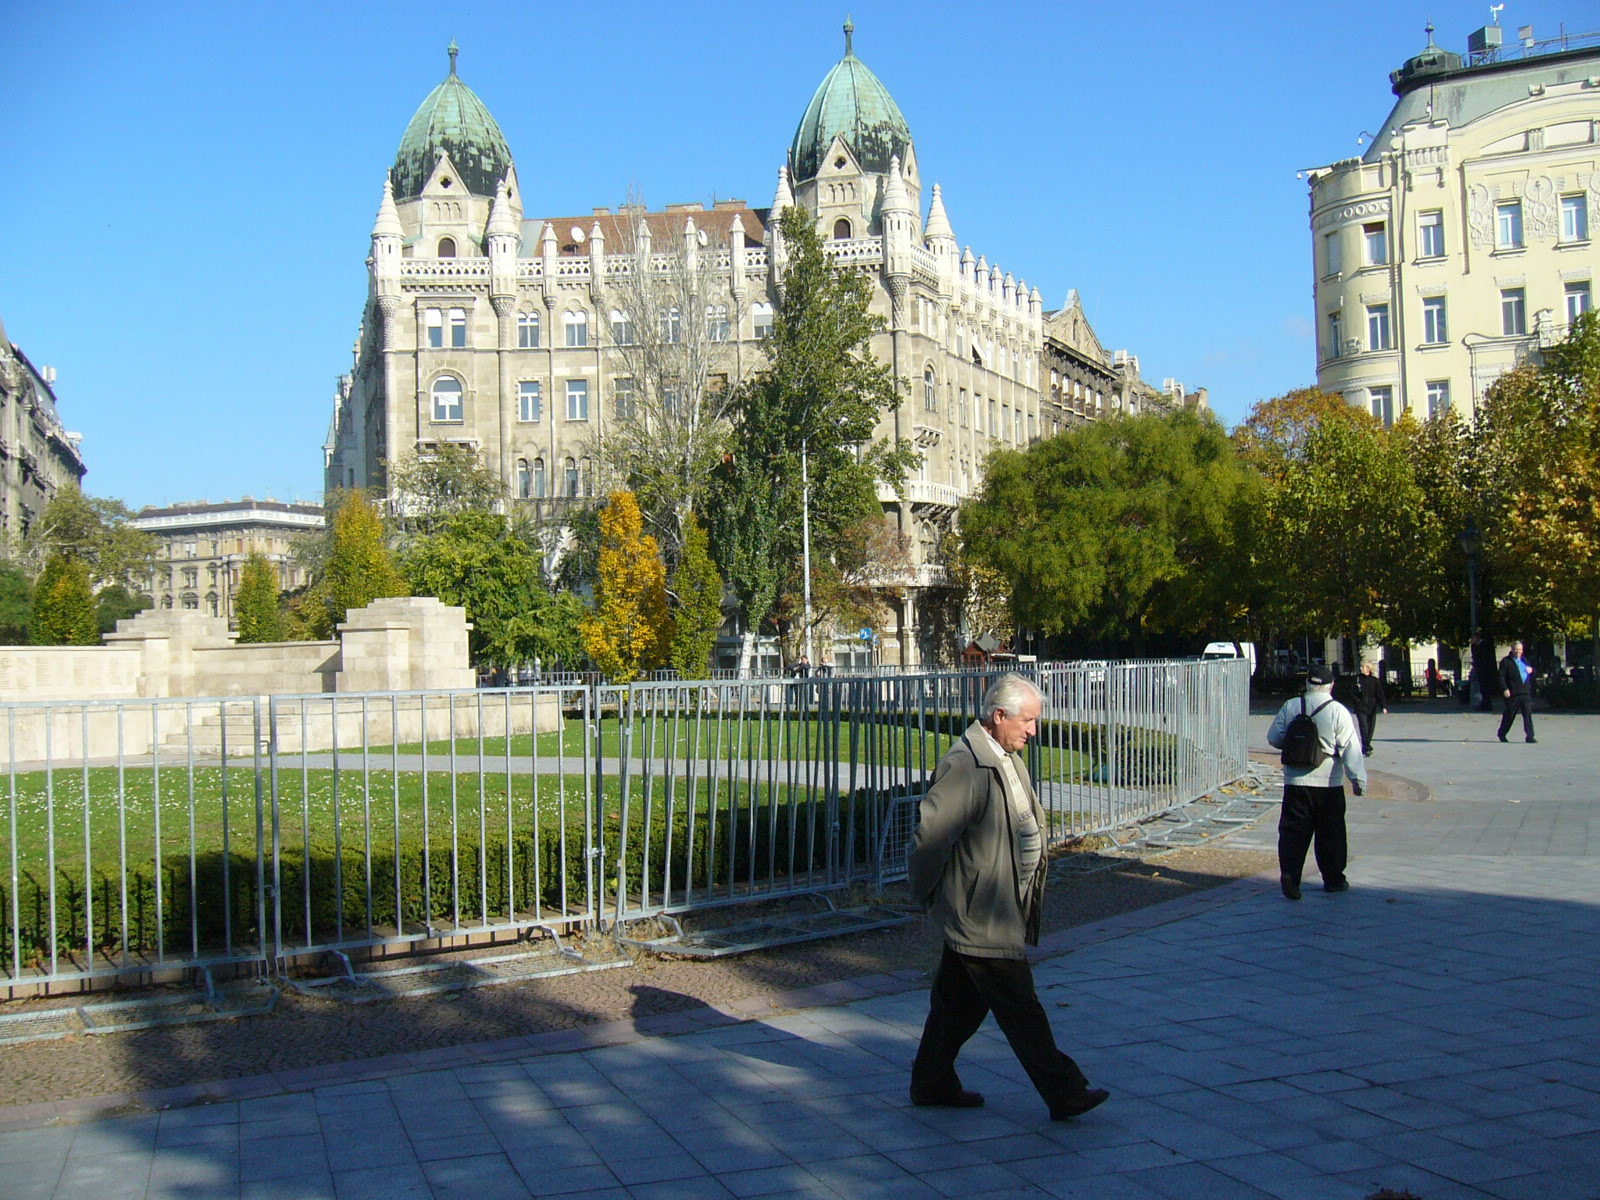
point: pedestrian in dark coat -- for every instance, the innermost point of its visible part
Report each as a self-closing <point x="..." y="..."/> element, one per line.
<point x="1371" y="699"/>
<point x="1484" y="672"/>
<point x="1516" y="689"/>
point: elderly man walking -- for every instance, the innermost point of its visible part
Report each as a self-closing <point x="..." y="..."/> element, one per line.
<point x="977" y="859"/>
<point x="1315" y="763"/>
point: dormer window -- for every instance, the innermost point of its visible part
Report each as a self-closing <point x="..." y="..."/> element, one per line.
<point x="447" y="246"/>
<point x="841" y="230"/>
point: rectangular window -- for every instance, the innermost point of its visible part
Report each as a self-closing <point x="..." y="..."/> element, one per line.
<point x="1375" y="237"/>
<point x="762" y="312"/>
<point x="1513" y="312"/>
<point x="1430" y="231"/>
<point x="458" y="328"/>
<point x="1575" y="218"/>
<point x="624" y="399"/>
<point x="717" y="326"/>
<point x="622" y="331"/>
<point x="994" y="427"/>
<point x="433" y="319"/>
<point x="1435" y="327"/>
<point x="530" y="400"/>
<point x="577" y="399"/>
<point x="1335" y="335"/>
<point x="1383" y="404"/>
<point x="963" y="414"/>
<point x="1438" y="396"/>
<point x="1332" y="260"/>
<point x="1378" y="327"/>
<point x="672" y="326"/>
<point x="577" y="326"/>
<point x="1579" y="299"/>
<point x="1508" y="225"/>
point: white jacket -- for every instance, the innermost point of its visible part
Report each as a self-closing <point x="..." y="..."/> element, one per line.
<point x="1341" y="741"/>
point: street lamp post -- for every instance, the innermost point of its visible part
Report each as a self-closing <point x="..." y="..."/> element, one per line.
<point x="1471" y="543"/>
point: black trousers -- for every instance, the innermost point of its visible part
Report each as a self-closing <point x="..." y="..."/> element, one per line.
<point x="1312" y="814"/>
<point x="1518" y="704"/>
<point x="1367" y="723"/>
<point x="965" y="990"/>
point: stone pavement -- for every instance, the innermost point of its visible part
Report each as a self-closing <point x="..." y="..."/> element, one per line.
<point x="1432" y="1030"/>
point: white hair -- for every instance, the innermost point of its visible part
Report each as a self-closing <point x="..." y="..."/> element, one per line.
<point x="1007" y="693"/>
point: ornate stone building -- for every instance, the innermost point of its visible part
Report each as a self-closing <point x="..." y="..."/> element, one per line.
<point x="203" y="548"/>
<point x="517" y="334"/>
<point x="37" y="454"/>
<point x="1460" y="242"/>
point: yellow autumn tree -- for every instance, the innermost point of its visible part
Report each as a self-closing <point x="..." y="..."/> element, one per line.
<point x="630" y="629"/>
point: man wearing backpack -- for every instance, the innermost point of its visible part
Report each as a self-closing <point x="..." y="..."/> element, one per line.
<point x="1320" y="745"/>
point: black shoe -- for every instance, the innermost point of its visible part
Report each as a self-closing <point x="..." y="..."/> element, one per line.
<point x="1338" y="885"/>
<point x="1530" y="741"/>
<point x="1501" y="736"/>
<point x="1076" y="1106"/>
<point x="960" y="1098"/>
<point x="1291" y="889"/>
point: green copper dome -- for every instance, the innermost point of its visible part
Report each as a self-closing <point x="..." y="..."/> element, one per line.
<point x="852" y="101"/>
<point x="453" y="121"/>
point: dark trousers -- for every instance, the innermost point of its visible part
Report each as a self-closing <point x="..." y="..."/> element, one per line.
<point x="1367" y="723"/>
<point x="965" y="990"/>
<point x="1312" y="814"/>
<point x="1518" y="703"/>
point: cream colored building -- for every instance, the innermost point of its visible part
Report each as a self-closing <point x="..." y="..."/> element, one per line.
<point x="1460" y="242"/>
<point x="518" y="334"/>
<point x="203" y="548"/>
<point x="38" y="455"/>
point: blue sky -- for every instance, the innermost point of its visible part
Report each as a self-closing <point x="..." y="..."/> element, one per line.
<point x="190" y="187"/>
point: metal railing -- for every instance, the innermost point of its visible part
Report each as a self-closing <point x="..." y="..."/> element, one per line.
<point x="148" y="837"/>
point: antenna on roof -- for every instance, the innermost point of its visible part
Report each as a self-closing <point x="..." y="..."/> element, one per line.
<point x="1494" y="13"/>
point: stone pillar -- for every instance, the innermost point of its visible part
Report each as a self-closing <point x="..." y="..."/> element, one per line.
<point x="404" y="643"/>
<point x="167" y="639"/>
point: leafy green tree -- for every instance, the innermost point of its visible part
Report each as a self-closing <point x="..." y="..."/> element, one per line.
<point x="255" y="606"/>
<point x="1538" y="443"/>
<point x="475" y="560"/>
<point x="697" y="595"/>
<point x="16" y="604"/>
<point x="64" y="612"/>
<point x="430" y="489"/>
<point x="1125" y="529"/>
<point x="360" y="568"/>
<point x="630" y="629"/>
<point x="822" y="391"/>
<point x="117" y="602"/>
<point x="95" y="531"/>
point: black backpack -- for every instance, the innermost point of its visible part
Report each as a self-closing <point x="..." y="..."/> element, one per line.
<point x="1302" y="741"/>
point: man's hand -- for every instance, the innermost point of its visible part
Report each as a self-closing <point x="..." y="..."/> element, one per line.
<point x="1508" y="693"/>
<point x="1356" y="788"/>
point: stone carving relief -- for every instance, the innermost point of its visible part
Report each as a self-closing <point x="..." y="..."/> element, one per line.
<point x="1594" y="192"/>
<point x="1540" y="203"/>
<point x="1480" y="215"/>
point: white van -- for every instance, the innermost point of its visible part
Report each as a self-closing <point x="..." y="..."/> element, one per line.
<point x="1245" y="650"/>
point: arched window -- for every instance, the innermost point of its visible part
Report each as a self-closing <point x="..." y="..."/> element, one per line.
<point x="528" y="330"/>
<point x="761" y="312"/>
<point x="930" y="390"/>
<point x="524" y="479"/>
<point x="571" y="486"/>
<point x="621" y="327"/>
<point x="671" y="325"/>
<point x="447" y="247"/>
<point x="538" y="479"/>
<point x="841" y="229"/>
<point x="717" y="322"/>
<point x="577" y="327"/>
<point x="446" y="394"/>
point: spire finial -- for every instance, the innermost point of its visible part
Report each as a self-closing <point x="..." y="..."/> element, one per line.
<point x="1430" y="31"/>
<point x="849" y="34"/>
<point x="454" y="50"/>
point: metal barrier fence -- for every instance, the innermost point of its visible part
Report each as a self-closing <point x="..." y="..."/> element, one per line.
<point x="149" y="836"/>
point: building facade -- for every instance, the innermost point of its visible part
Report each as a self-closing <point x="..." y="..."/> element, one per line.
<point x="1460" y="243"/>
<point x="527" y="338"/>
<point x="38" y="456"/>
<point x="203" y="548"/>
